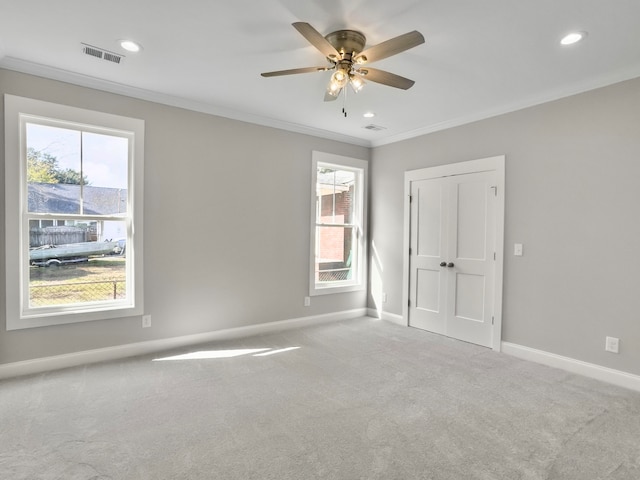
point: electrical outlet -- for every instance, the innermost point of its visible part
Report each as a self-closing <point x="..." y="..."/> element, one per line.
<point x="146" y="321"/>
<point x="612" y="344"/>
<point x="384" y="297"/>
<point x="307" y="301"/>
<point x="517" y="249"/>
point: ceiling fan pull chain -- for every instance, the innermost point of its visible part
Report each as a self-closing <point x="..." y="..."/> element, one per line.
<point x="344" y="102"/>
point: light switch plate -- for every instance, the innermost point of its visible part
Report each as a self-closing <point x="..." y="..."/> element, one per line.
<point x="517" y="249"/>
<point x="612" y="344"/>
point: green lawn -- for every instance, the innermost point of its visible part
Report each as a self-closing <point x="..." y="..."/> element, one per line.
<point x="96" y="280"/>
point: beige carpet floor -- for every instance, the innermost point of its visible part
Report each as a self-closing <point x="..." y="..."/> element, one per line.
<point x="360" y="399"/>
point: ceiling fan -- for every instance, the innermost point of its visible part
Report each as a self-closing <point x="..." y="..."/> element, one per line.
<point x="345" y="52"/>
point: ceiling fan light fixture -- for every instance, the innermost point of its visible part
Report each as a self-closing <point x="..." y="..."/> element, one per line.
<point x="356" y="82"/>
<point x="334" y="93"/>
<point x="334" y="89"/>
<point x="340" y="78"/>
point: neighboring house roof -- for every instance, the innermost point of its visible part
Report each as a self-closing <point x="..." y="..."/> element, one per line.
<point x="65" y="199"/>
<point x="337" y="177"/>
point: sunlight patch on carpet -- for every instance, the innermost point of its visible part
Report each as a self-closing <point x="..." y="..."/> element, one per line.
<point x="212" y="354"/>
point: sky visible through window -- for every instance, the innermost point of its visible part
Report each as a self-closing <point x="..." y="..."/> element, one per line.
<point x="105" y="156"/>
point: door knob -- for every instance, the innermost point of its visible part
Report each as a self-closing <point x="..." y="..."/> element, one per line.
<point x="443" y="264"/>
<point x="450" y="264"/>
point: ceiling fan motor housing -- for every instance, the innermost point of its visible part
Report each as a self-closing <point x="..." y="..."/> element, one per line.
<point x="347" y="42"/>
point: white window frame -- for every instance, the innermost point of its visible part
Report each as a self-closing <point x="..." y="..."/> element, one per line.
<point x="18" y="112"/>
<point x="358" y="261"/>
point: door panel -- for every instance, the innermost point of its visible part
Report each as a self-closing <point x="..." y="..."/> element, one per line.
<point x="428" y="290"/>
<point x="473" y="238"/>
<point x="429" y="204"/>
<point x="469" y="297"/>
<point x="471" y="224"/>
<point x="427" y="308"/>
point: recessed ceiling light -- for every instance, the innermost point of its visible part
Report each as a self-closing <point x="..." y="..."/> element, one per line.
<point x="369" y="115"/>
<point x="130" y="46"/>
<point x="573" y="37"/>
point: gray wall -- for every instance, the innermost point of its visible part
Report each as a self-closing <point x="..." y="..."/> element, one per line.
<point x="243" y="190"/>
<point x="238" y="191"/>
<point x="572" y="199"/>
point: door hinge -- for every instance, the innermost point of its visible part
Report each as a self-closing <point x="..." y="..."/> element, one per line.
<point x="409" y="250"/>
<point x="410" y="198"/>
<point x="492" y="320"/>
<point x="409" y="302"/>
<point x="494" y="255"/>
<point x="495" y="191"/>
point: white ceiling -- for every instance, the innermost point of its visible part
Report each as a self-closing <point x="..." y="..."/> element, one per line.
<point x="481" y="57"/>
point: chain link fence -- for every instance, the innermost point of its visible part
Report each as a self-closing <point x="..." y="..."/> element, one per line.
<point x="334" y="274"/>
<point x="76" y="292"/>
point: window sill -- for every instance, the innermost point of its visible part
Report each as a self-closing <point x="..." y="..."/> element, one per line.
<point x="339" y="288"/>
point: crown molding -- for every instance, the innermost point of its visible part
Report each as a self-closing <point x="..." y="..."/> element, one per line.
<point x="549" y="96"/>
<point x="22" y="66"/>
<point x="39" y="70"/>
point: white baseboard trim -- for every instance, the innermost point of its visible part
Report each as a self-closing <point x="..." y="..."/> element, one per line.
<point x="605" y="374"/>
<point x="390" y="317"/>
<point x="393" y="318"/>
<point x="57" y="362"/>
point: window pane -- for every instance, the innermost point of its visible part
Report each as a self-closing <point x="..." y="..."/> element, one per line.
<point x="53" y="169"/>
<point x="74" y="172"/>
<point x="104" y="160"/>
<point x="75" y="264"/>
<point x="334" y="254"/>
<point x="335" y="193"/>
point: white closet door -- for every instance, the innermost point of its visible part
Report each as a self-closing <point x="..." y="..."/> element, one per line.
<point x="452" y="255"/>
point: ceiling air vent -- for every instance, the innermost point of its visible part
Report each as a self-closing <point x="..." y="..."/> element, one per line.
<point x="374" y="128"/>
<point x="112" y="57"/>
<point x="101" y="53"/>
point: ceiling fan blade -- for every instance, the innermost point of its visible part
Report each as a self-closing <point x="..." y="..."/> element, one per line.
<point x="386" y="78"/>
<point x="316" y="39"/>
<point x="390" y="47"/>
<point x="331" y="98"/>
<point x="294" y="71"/>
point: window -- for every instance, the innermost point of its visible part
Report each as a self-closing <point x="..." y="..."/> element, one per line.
<point x="73" y="195"/>
<point x="337" y="224"/>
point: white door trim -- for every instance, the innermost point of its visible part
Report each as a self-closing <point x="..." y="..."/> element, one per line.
<point x="496" y="164"/>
